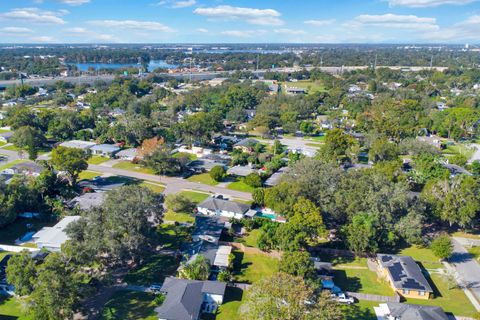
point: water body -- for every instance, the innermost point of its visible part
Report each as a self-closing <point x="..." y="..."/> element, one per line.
<point x="154" y="64"/>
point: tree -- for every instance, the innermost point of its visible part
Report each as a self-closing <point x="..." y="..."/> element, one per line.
<point x="71" y="161"/>
<point x="161" y="162"/>
<point x="361" y="234"/>
<point x="258" y="196"/>
<point x="297" y="263"/>
<point x="198" y="269"/>
<point x="29" y="138"/>
<point x="286" y="297"/>
<point x="55" y="294"/>
<point x="179" y="203"/>
<point x="442" y="247"/>
<point x="336" y="147"/>
<point x="21" y="273"/>
<point x="253" y="180"/>
<point x="475" y="168"/>
<point x="225" y="276"/>
<point x="217" y="173"/>
<point x="383" y="150"/>
<point x="149" y="146"/>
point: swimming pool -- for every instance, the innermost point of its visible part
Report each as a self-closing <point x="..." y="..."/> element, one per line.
<point x="270" y="216"/>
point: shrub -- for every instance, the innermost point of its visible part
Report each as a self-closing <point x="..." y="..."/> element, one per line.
<point x="442" y="247"/>
<point x="217" y="173"/>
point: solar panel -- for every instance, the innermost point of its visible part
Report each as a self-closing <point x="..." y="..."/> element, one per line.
<point x="412" y="284"/>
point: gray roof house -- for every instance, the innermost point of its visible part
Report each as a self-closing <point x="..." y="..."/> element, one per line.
<point x="105" y="150"/>
<point x="241" y="171"/>
<point x="25" y="168"/>
<point x="403" y="311"/>
<point x="405" y="276"/>
<point x="187" y="299"/>
<point x="88" y="201"/>
<point x="6" y="136"/>
<point x="52" y="238"/>
<point x="275" y="178"/>
<point x="78" y="144"/>
<point x="215" y="206"/>
<point x="127" y="154"/>
<point x="246" y="144"/>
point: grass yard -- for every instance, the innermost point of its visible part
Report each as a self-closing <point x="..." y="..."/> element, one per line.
<point x="470" y="235"/>
<point x="190" y="156"/>
<point x="12" y="148"/>
<point x="459" y="149"/>
<point x="239" y="185"/>
<point x="453" y="300"/>
<point x="361" y="310"/>
<point x="196" y="197"/>
<point x="98" y="160"/>
<point x="475" y="252"/>
<point x="11" y="308"/>
<point x="203" y="178"/>
<point x="126" y="165"/>
<point x="11" y="164"/>
<point x="154" y="270"/>
<point x="424" y="256"/>
<point x="2" y="143"/>
<point x="249" y="268"/>
<point x="229" y="310"/>
<point x="361" y="280"/>
<point x="179" y="217"/>
<point x="251" y="239"/>
<point x="19" y="228"/>
<point x="157" y="188"/>
<point x="311" y="86"/>
<point x="172" y="237"/>
<point x="130" y="305"/>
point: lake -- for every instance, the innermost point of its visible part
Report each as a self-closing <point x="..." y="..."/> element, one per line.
<point x="152" y="65"/>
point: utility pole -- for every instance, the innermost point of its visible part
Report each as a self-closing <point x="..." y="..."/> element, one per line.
<point x="375" y="63"/>
<point x="431" y="62"/>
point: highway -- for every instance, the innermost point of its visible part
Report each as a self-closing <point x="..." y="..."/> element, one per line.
<point x="199" y="76"/>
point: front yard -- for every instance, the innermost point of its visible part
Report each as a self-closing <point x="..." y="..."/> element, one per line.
<point x="126" y="165"/>
<point x="240" y="185"/>
<point x="203" y="178"/>
<point x="98" y="160"/>
<point x="130" y="305"/>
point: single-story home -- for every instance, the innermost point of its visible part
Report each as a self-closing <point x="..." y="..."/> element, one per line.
<point x="274" y="179"/>
<point x="87" y="201"/>
<point x="403" y="311"/>
<point x="215" y="206"/>
<point x="187" y="299"/>
<point x="204" y="165"/>
<point x="405" y="276"/>
<point x="207" y="229"/>
<point x="26" y="168"/>
<point x="127" y="154"/>
<point x="241" y="171"/>
<point x="246" y="145"/>
<point x="198" y="151"/>
<point x="52" y="238"/>
<point x="78" y="144"/>
<point x="105" y="150"/>
<point x="6" y="136"/>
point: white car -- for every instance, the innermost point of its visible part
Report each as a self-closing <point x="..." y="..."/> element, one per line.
<point x="343" y="298"/>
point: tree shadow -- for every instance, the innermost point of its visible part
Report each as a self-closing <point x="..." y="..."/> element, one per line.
<point x="239" y="267"/>
<point x="3" y="300"/>
<point x="346" y="283"/>
<point x="354" y="312"/>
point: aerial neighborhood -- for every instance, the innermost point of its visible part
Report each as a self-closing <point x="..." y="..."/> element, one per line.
<point x="267" y="181"/>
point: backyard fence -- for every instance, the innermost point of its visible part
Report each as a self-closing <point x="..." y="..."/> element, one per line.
<point x="250" y="250"/>
<point x="374" y="297"/>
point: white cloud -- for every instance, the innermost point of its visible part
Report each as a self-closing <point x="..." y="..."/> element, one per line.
<point x="250" y="15"/>
<point x="16" y="30"/>
<point x="319" y="23"/>
<point x="89" y="36"/>
<point x="133" y="24"/>
<point x="202" y="30"/>
<point x="243" y="33"/>
<point x="393" y="21"/>
<point x="74" y="2"/>
<point x="43" y="39"/>
<point x="289" y="31"/>
<point x="35" y="15"/>
<point x="463" y="31"/>
<point x="427" y="3"/>
<point x="184" y="4"/>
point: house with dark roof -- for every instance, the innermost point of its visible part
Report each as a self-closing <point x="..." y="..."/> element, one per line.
<point x="188" y="299"/>
<point x="403" y="311"/>
<point x="207" y="229"/>
<point x="405" y="276"/>
<point x="246" y="145"/>
<point x="216" y="206"/>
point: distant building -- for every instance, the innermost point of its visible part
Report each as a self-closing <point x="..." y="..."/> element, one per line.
<point x="105" y="150"/>
<point x="246" y="145"/>
<point x="405" y="276"/>
<point x="403" y="311"/>
<point x="213" y="206"/>
<point x="241" y="171"/>
<point x="127" y="154"/>
<point x="78" y="144"/>
<point x="188" y="299"/>
<point x="294" y="91"/>
<point x="87" y="201"/>
<point x="431" y="140"/>
<point x="275" y="178"/>
<point x="25" y="168"/>
<point x="52" y="238"/>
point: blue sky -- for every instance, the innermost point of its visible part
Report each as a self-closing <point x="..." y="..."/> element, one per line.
<point x="219" y="21"/>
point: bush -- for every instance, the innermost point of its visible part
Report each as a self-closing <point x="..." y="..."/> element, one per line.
<point x="258" y="196"/>
<point x="253" y="180"/>
<point x="217" y="173"/>
<point x="442" y="247"/>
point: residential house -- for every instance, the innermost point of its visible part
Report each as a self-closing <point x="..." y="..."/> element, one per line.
<point x="275" y="178"/>
<point x="198" y="151"/>
<point x="25" y="168"/>
<point x="105" y="150"/>
<point x="294" y="91"/>
<point x="405" y="276"/>
<point x="403" y="311"/>
<point x="205" y="165"/>
<point x="87" y="201"/>
<point x="78" y="144"/>
<point x="216" y="206"/>
<point x="207" y="229"/>
<point x="431" y="140"/>
<point x="246" y="145"/>
<point x="241" y="171"/>
<point x="6" y="136"/>
<point x="127" y="154"/>
<point x="188" y="299"/>
<point x="52" y="238"/>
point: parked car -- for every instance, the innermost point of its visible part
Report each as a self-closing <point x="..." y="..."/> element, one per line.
<point x="155" y="288"/>
<point x="344" y="298"/>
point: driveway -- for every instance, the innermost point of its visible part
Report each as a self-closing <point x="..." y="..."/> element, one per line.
<point x="476" y="155"/>
<point x="172" y="184"/>
<point x="466" y="267"/>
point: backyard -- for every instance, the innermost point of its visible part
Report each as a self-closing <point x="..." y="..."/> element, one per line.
<point x="130" y="305"/>
<point x="249" y="268"/>
<point x="11" y="308"/>
<point x="153" y="270"/>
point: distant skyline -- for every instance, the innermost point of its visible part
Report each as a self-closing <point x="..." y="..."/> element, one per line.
<point x="241" y="21"/>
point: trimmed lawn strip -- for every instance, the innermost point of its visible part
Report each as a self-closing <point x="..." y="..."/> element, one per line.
<point x="250" y="268"/>
<point x="153" y="270"/>
<point x="98" y="160"/>
<point x="203" y="178"/>
<point x="190" y="156"/>
<point x="88" y="175"/>
<point x="194" y="196"/>
<point x="126" y="165"/>
<point x="130" y="305"/>
<point x="11" y="164"/>
<point x="239" y="185"/>
<point x="179" y="217"/>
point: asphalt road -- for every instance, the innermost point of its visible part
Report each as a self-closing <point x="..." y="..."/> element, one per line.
<point x="173" y="185"/>
<point x="466" y="267"/>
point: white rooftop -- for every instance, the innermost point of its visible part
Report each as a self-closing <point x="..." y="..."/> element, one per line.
<point x="52" y="238"/>
<point x="78" y="144"/>
<point x="221" y="257"/>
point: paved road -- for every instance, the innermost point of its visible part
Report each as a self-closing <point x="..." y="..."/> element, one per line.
<point x="466" y="267"/>
<point x="173" y="185"/>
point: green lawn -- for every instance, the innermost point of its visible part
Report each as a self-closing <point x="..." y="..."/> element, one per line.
<point x="157" y="188"/>
<point x="250" y="268"/>
<point x="453" y="300"/>
<point x="424" y="256"/>
<point x="196" y="197"/>
<point x="130" y="305"/>
<point x="153" y="270"/>
<point x="190" y="156"/>
<point x="98" y="160"/>
<point x="239" y="185"/>
<point x="250" y="240"/>
<point x="88" y="175"/>
<point x="475" y="252"/>
<point x="11" y="164"/>
<point x="172" y="237"/>
<point x="361" y="280"/>
<point x="179" y="217"/>
<point x="203" y="178"/>
<point x="459" y="149"/>
<point x="126" y="165"/>
<point x="11" y="308"/>
<point x="229" y="310"/>
<point x="311" y="86"/>
<point x="362" y="310"/>
<point x="12" y="148"/>
<point x="470" y="235"/>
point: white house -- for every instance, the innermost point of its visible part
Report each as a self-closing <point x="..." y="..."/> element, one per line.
<point x="214" y="206"/>
<point x="78" y="144"/>
<point x="105" y="150"/>
<point x="52" y="238"/>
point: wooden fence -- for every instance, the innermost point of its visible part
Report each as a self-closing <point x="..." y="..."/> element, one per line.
<point x="374" y="297"/>
<point x="251" y="250"/>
